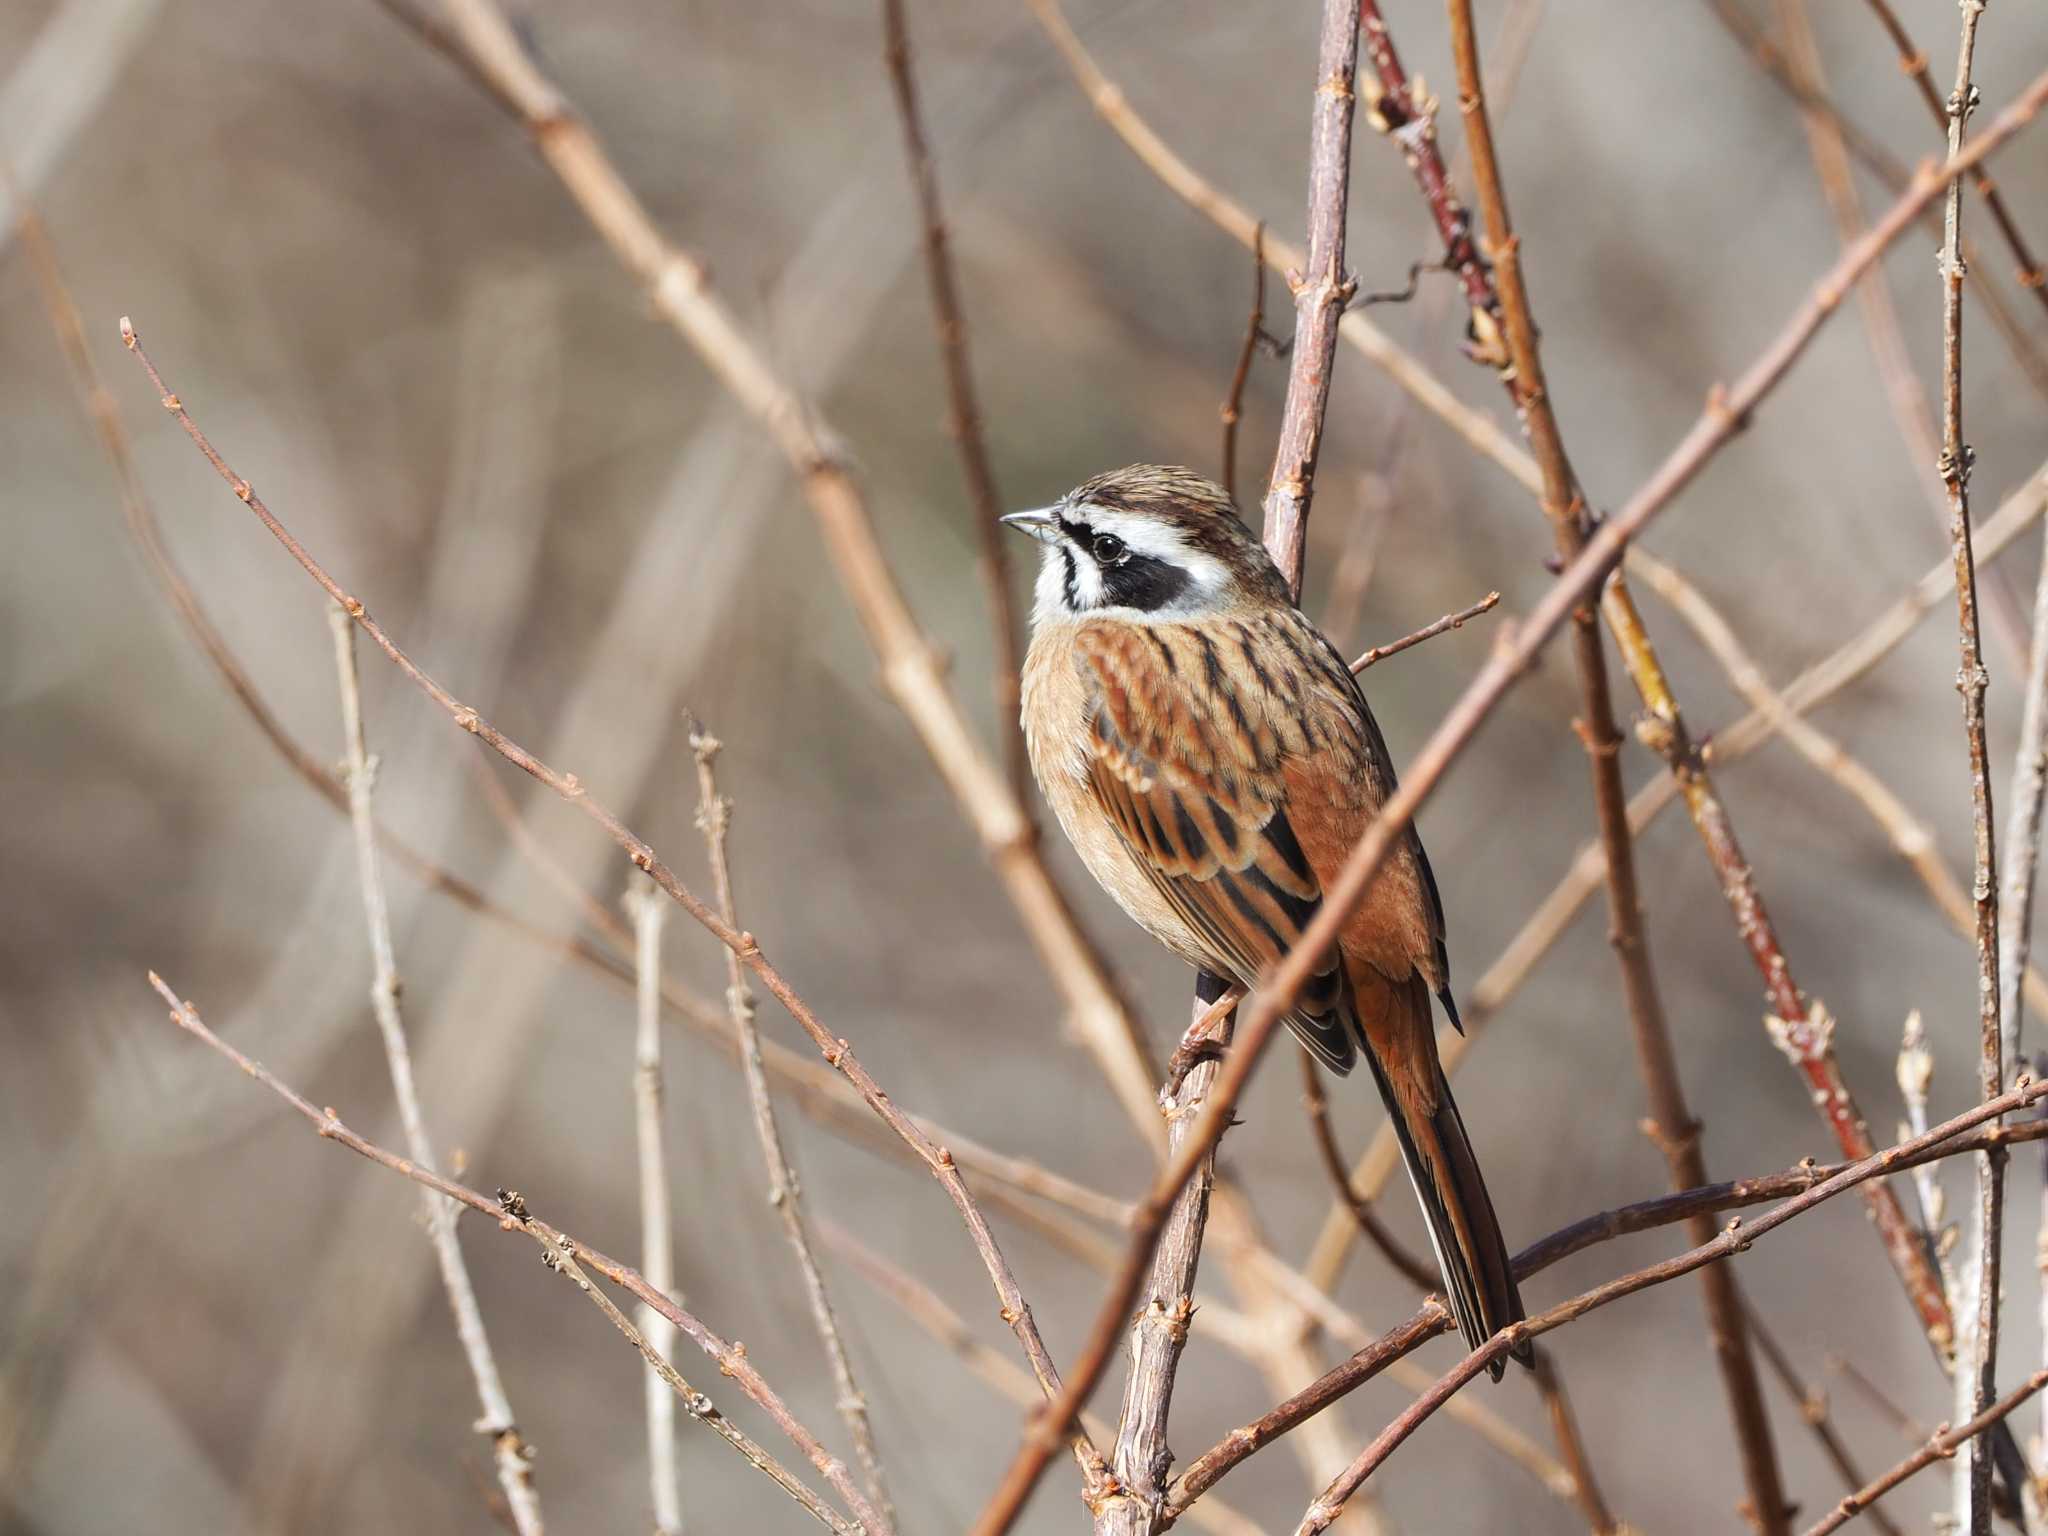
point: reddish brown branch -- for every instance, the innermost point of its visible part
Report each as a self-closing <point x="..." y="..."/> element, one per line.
<point x="1941" y="1447"/>
<point x="1589" y="1231"/>
<point x="1564" y="1426"/>
<point x="1735" y="1238"/>
<point x="1813" y="1408"/>
<point x="963" y="417"/>
<point x="1672" y="1126"/>
<point x="1233" y="403"/>
<point x="1428" y="631"/>
<point x="1418" y="1273"/>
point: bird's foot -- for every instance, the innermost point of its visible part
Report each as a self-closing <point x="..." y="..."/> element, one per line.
<point x="1204" y="1040"/>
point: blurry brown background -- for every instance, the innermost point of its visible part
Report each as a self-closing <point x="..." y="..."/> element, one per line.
<point x="387" y="314"/>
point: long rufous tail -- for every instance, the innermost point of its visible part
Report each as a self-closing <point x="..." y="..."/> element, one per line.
<point x="1441" y="1165"/>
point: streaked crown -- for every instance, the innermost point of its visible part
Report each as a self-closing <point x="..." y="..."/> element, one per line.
<point x="1152" y="543"/>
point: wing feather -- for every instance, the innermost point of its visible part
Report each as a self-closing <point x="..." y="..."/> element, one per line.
<point x="1180" y="743"/>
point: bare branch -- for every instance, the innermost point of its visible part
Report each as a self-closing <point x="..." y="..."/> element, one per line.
<point x="1233" y="403"/>
<point x="1942" y="1446"/>
<point x="509" y="1449"/>
<point x="657" y="1246"/>
<point x="837" y="1052"/>
<point x="963" y="417"/>
<point x="785" y="1195"/>
<point x="1428" y="631"/>
<point x="1813" y="1408"/>
<point x="510" y="1214"/>
<point x="1735" y="1238"/>
<point x="1976" y="1361"/>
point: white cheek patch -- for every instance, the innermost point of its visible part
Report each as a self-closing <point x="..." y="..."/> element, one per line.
<point x="1145" y="536"/>
<point x="1070" y="582"/>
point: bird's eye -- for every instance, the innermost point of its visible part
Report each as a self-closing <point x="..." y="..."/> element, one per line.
<point x="1109" y="549"/>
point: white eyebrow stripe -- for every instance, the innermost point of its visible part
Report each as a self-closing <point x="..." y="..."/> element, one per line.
<point x="1160" y="541"/>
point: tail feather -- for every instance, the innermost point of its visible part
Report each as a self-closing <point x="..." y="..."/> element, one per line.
<point x="1463" y="1230"/>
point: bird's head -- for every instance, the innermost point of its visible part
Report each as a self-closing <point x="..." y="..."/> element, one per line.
<point x="1152" y="543"/>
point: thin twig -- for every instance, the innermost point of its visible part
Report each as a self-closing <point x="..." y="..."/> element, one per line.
<point x="1671" y="1124"/>
<point x="509" y="1213"/>
<point x="1913" y="64"/>
<point x="1911" y="838"/>
<point x="558" y="1254"/>
<point x="1874" y="1395"/>
<point x="937" y="1160"/>
<point x="926" y="1308"/>
<point x="1726" y="410"/>
<point x="1813" y="1408"/>
<point x="1823" y="680"/>
<point x="1428" y="631"/>
<point x="509" y="1450"/>
<point x="1571" y="1445"/>
<point x="1736" y="1238"/>
<point x="785" y="1194"/>
<point x="1976" y="1362"/>
<point x="1942" y="1446"/>
<point x="963" y="417"/>
<point x="1418" y="1273"/>
<point x="1114" y="108"/>
<point x="1381" y="1354"/>
<point x="1233" y="403"/>
<point x="1893" y="175"/>
<point x="679" y="287"/>
<point x="657" y="1246"/>
<point x="2016" y="977"/>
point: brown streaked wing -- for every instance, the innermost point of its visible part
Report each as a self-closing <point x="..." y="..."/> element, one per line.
<point x="1183" y="760"/>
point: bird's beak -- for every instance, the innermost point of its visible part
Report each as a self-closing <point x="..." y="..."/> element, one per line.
<point x="1042" y="524"/>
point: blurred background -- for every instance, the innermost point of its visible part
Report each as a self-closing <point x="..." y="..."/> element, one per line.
<point x="388" y="315"/>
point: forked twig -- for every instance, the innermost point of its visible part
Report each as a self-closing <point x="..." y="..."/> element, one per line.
<point x="836" y="1051"/>
<point x="510" y="1213"/>
<point x="1735" y="1238"/>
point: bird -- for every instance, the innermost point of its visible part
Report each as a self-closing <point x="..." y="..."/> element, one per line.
<point x="1213" y="760"/>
